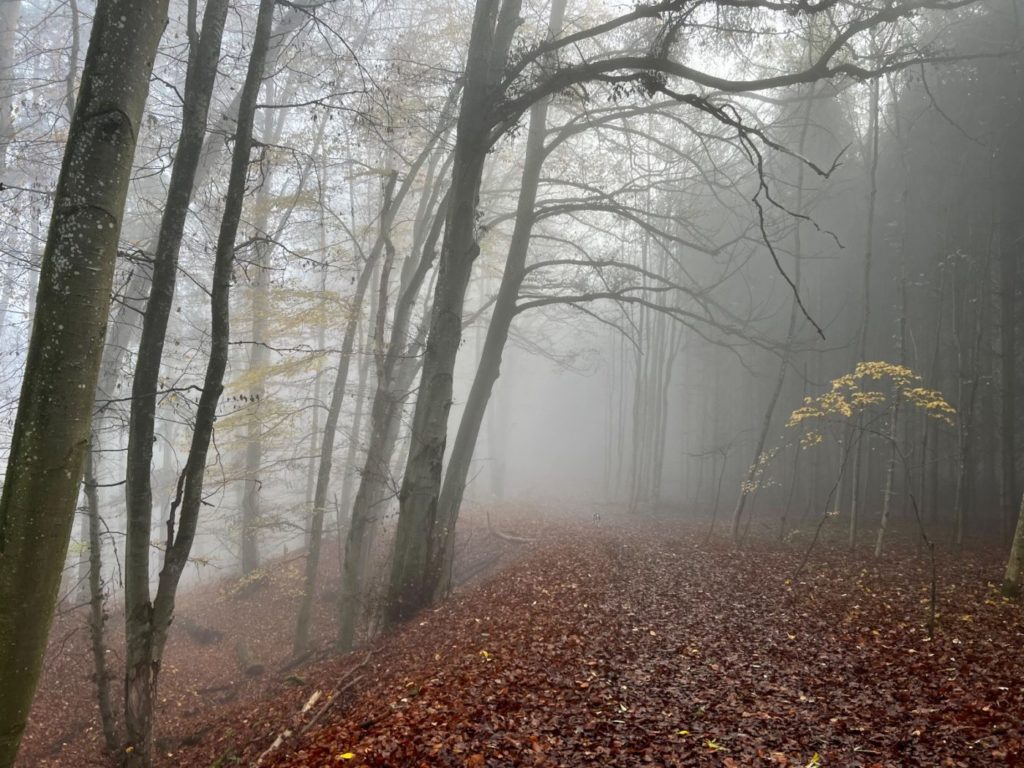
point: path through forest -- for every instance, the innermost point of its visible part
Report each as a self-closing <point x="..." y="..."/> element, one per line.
<point x="633" y="644"/>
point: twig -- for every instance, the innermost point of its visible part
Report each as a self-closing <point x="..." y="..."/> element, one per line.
<point x="333" y="697"/>
<point x="505" y="536"/>
<point x="348" y="680"/>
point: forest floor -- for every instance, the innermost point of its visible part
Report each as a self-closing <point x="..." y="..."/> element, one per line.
<point x="615" y="644"/>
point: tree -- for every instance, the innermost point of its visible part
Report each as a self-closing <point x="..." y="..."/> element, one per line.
<point x="501" y="319"/>
<point x="499" y="88"/>
<point x="147" y="622"/>
<point x="51" y="433"/>
<point x="1014" y="578"/>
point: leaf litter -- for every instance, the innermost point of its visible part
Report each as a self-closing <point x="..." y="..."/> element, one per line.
<point x="637" y="645"/>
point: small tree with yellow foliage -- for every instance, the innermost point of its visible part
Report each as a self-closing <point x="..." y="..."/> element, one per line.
<point x="873" y="389"/>
<point x="868" y="400"/>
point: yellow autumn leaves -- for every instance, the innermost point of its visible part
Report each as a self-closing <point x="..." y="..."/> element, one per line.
<point x="870" y="385"/>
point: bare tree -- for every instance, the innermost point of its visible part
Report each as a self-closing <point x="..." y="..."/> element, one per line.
<point x="146" y="622"/>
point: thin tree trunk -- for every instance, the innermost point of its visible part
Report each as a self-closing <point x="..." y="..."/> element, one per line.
<point x="968" y="389"/>
<point x="890" y="472"/>
<point x="348" y="481"/>
<point x="147" y="623"/>
<point x="119" y="338"/>
<point x="259" y="352"/>
<point x="10" y="12"/>
<point x="323" y="477"/>
<point x="1009" y="250"/>
<point x="756" y="466"/>
<point x="97" y="610"/>
<point x="865" y="328"/>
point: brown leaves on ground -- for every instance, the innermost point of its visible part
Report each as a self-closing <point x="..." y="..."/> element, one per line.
<point x="640" y="647"/>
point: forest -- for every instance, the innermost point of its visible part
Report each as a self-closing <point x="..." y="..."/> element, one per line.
<point x="511" y="382"/>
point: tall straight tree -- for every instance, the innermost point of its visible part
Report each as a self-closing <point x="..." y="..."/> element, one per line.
<point x="51" y="432"/>
<point x="142" y="641"/>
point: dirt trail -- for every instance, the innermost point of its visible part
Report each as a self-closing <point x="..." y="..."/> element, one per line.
<point x="637" y="646"/>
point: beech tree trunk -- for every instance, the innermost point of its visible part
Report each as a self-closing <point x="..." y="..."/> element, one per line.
<point x="51" y="431"/>
<point x="489" y="367"/>
<point x="146" y="623"/>
<point x="418" y="563"/>
<point x="396" y="368"/>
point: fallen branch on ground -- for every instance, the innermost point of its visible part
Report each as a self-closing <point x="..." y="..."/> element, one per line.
<point x="347" y="682"/>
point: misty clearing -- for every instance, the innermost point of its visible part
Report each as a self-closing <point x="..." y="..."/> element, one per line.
<point x="511" y="383"/>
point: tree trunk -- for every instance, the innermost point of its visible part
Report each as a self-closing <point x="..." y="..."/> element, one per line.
<point x="418" y="563"/>
<point x="51" y="432"/>
<point x="396" y="368"/>
<point x="890" y="472"/>
<point x="1013" y="581"/>
<point x="489" y="367"/>
<point x="348" y="481"/>
<point x="323" y="476"/>
<point x="273" y="124"/>
<point x="865" y="328"/>
<point x="146" y="623"/>
<point x="1009" y="249"/>
<point x="392" y="201"/>
<point x="757" y="466"/>
<point x="97" y="610"/>
<point x="10" y="11"/>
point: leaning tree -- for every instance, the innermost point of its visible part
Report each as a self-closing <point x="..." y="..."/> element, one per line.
<point x="51" y="433"/>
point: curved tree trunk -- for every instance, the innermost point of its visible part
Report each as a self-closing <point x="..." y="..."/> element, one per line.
<point x="489" y="367"/>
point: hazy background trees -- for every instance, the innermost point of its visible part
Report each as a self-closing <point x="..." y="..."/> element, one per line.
<point x="600" y="263"/>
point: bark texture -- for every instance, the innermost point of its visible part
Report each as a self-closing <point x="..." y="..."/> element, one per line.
<point x="1014" y="579"/>
<point x="418" y="564"/>
<point x="51" y="432"/>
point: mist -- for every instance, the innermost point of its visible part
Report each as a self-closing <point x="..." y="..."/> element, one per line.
<point x="332" y="333"/>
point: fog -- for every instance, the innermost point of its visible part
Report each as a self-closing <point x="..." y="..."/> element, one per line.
<point x="369" y="288"/>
